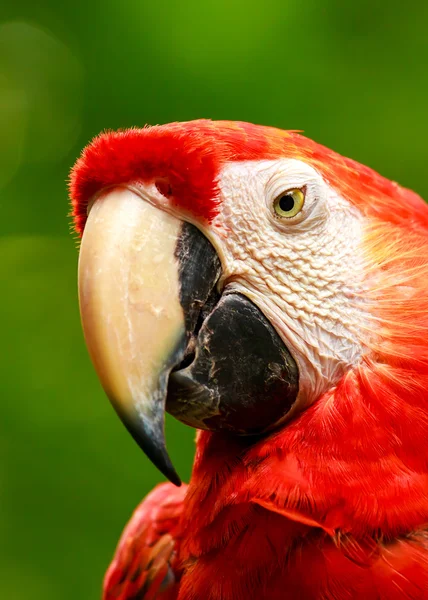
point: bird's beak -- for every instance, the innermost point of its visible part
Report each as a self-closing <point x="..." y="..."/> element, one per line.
<point x="138" y="304"/>
<point x="161" y="336"/>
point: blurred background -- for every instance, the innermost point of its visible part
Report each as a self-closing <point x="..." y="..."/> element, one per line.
<point x="352" y="75"/>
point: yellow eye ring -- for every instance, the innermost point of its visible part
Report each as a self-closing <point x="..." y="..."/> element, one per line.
<point x="289" y="203"/>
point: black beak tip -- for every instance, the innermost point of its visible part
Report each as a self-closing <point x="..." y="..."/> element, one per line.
<point x="155" y="450"/>
<point x="162" y="462"/>
<point x="150" y="437"/>
<point x="171" y="474"/>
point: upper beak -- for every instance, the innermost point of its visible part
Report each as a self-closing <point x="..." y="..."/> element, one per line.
<point x="139" y="306"/>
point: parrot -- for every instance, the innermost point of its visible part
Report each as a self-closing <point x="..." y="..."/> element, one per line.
<point x="271" y="294"/>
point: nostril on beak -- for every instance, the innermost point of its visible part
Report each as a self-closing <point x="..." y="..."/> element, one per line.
<point x="164" y="187"/>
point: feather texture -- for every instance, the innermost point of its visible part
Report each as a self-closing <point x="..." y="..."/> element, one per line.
<point x="185" y="160"/>
<point x="143" y="566"/>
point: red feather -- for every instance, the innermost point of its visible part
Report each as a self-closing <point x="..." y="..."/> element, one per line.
<point x="189" y="157"/>
<point x="143" y="566"/>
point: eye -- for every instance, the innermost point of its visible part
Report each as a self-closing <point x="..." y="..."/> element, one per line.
<point x="289" y="203"/>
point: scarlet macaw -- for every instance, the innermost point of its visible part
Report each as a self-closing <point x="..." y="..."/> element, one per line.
<point x="272" y="294"/>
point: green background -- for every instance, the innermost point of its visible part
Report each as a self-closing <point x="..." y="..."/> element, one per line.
<point x="352" y="75"/>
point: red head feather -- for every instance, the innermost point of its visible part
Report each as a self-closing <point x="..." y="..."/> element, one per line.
<point x="186" y="159"/>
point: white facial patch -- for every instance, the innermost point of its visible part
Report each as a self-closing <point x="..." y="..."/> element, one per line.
<point x="304" y="273"/>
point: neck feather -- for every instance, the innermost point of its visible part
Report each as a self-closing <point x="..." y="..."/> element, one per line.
<point x="355" y="462"/>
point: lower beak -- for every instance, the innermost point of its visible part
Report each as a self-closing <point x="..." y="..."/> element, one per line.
<point x="138" y="306"/>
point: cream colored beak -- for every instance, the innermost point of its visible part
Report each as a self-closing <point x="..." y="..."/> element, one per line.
<point x="132" y="318"/>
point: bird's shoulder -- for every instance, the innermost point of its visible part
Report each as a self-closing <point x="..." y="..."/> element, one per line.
<point x="143" y="564"/>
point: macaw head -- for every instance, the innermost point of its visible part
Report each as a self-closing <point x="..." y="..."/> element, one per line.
<point x="234" y="274"/>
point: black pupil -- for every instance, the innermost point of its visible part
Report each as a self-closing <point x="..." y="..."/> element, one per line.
<point x="286" y="203"/>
